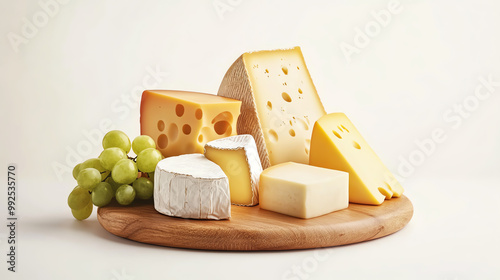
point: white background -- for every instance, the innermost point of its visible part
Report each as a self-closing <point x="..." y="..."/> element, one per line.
<point x="78" y="69"/>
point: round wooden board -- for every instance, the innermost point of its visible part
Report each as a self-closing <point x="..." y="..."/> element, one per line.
<point x="252" y="228"/>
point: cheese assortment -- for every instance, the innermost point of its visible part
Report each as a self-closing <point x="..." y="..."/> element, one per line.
<point x="280" y="103"/>
<point x="303" y="191"/>
<point x="337" y="144"/>
<point x="239" y="159"/>
<point x="191" y="186"/>
<point x="183" y="122"/>
<point x="289" y="155"/>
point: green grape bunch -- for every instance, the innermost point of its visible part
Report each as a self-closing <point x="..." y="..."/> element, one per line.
<point x="114" y="174"/>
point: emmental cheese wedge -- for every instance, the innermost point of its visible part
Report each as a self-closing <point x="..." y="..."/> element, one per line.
<point x="303" y="191"/>
<point x="191" y="186"/>
<point x="337" y="144"/>
<point x="183" y="122"/>
<point x="239" y="159"/>
<point x="280" y="103"/>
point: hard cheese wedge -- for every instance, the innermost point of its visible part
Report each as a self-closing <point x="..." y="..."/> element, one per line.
<point x="302" y="190"/>
<point x="337" y="144"/>
<point x="280" y="103"/>
<point x="182" y="122"/>
<point x="239" y="159"/>
<point x="191" y="186"/>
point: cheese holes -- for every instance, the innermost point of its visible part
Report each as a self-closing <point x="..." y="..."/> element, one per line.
<point x="200" y="138"/>
<point x="356" y="145"/>
<point x="337" y="134"/>
<point x="161" y="125"/>
<point x="286" y="97"/>
<point x="162" y="141"/>
<point x="300" y="91"/>
<point x="222" y="123"/>
<point x="223" y="128"/>
<point x="307" y="151"/>
<point x="385" y="192"/>
<point x="340" y="128"/>
<point x="292" y="132"/>
<point x="186" y="129"/>
<point x="269" y="105"/>
<point x="198" y="114"/>
<point x="224" y="116"/>
<point x="173" y="132"/>
<point x="267" y="71"/>
<point x="179" y="110"/>
<point x="285" y="70"/>
<point x="388" y="186"/>
<point x="273" y="136"/>
<point x="344" y="128"/>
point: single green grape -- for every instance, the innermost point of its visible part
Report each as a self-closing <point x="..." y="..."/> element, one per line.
<point x="88" y="178"/>
<point x="148" y="159"/>
<point x="124" y="172"/>
<point x="110" y="156"/>
<point x="114" y="185"/>
<point x="76" y="170"/>
<point x="78" y="198"/>
<point x="143" y="188"/>
<point x="83" y="213"/>
<point x="95" y="163"/>
<point x="141" y="143"/>
<point x="116" y="138"/>
<point x="125" y="194"/>
<point x="102" y="194"/>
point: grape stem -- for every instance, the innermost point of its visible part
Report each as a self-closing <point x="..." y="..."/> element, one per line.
<point x="109" y="175"/>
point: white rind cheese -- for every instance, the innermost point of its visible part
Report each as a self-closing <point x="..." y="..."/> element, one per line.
<point x="246" y="143"/>
<point x="191" y="186"/>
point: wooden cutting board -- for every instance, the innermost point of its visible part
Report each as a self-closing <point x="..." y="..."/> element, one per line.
<point x="252" y="228"/>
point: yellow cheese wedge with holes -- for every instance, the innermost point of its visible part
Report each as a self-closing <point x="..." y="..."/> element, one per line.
<point x="182" y="122"/>
<point x="337" y="144"/>
<point x="279" y="103"/>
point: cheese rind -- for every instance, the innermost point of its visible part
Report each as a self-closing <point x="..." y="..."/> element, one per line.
<point x="191" y="186"/>
<point x="303" y="191"/>
<point x="182" y="122"/>
<point x="280" y="103"/>
<point x="239" y="159"/>
<point x="337" y="144"/>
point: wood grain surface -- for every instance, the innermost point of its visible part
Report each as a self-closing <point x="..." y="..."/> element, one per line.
<point x="253" y="229"/>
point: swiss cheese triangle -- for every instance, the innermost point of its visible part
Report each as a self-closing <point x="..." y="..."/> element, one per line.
<point x="279" y="103"/>
<point x="337" y="144"/>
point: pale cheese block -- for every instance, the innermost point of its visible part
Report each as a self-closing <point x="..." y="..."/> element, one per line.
<point x="303" y="191"/>
<point x="191" y="186"/>
<point x="182" y="122"/>
<point x="337" y="144"/>
<point x="279" y="103"/>
<point x="239" y="159"/>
